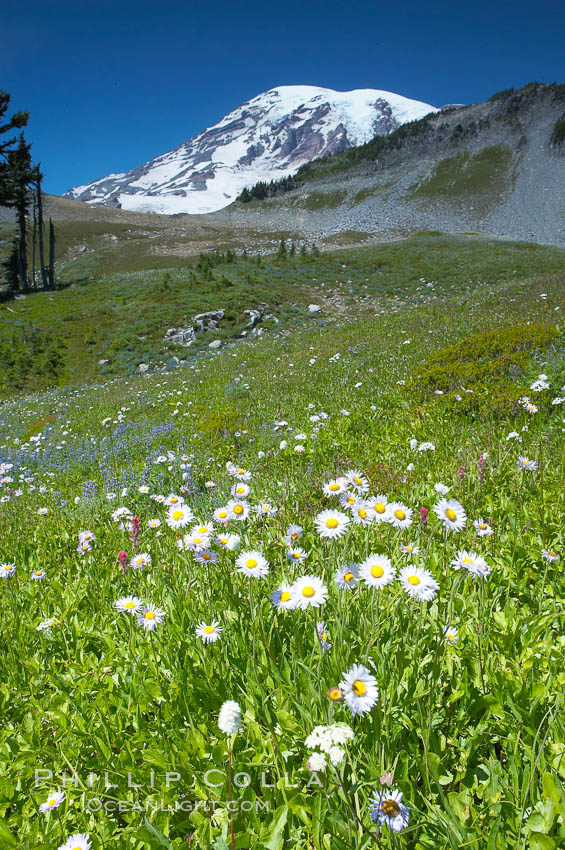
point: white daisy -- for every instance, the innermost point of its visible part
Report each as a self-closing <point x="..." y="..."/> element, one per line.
<point x="282" y="597"/>
<point x="38" y="575"/>
<point x="229" y="541"/>
<point x="335" y="487"/>
<point x="138" y="562"/>
<point x="346" y="576"/>
<point x="252" y="564"/>
<point x="359" y="688"/>
<point x="450" y="635"/>
<point x="78" y="841"/>
<point x="151" y="617"/>
<point x="399" y="515"/>
<point x="361" y="513"/>
<point x="451" y="513"/>
<point x="308" y="590"/>
<point x="525" y="463"/>
<point x="209" y="633"/>
<point x="379" y="505"/>
<point x="238" y="509"/>
<point x="357" y="480"/>
<point x="221" y="514"/>
<point x="7" y="570"/>
<point x="179" y="516"/>
<point x="483" y="528"/>
<point x="550" y="555"/>
<point x="418" y="582"/>
<point x="240" y="490"/>
<point x="331" y="524"/>
<point x="131" y="604"/>
<point x="297" y="555"/>
<point x="387" y="809"/>
<point x="376" y="571"/>
<point x="53" y="801"/>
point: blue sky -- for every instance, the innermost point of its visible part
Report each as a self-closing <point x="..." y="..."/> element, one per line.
<point x="112" y="83"/>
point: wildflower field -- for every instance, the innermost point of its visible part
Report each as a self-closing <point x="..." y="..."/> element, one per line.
<point x="303" y="593"/>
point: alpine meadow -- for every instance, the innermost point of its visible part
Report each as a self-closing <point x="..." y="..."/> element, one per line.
<point x="282" y="483"/>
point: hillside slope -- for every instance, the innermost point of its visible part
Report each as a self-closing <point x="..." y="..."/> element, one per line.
<point x="496" y="167"/>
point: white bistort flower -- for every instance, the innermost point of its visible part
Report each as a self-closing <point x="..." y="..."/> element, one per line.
<point x="229" y="719"/>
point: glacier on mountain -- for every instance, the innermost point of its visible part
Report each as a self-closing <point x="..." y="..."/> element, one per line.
<point x="266" y="138"/>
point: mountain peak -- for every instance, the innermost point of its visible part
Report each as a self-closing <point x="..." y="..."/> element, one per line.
<point x="266" y="138"/>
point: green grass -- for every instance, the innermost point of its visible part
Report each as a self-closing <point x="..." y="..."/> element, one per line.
<point x="321" y="200"/>
<point x="123" y="317"/>
<point x="486" y="173"/>
<point x="473" y="733"/>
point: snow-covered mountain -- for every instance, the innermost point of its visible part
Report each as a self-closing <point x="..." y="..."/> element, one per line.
<point x="267" y="138"/>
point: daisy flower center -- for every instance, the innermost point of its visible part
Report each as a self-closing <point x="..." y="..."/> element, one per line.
<point x="377" y="571"/>
<point x="335" y="694"/>
<point x="205" y="556"/>
<point x="51" y="802"/>
<point x="332" y="523"/>
<point x="149" y="615"/>
<point x="308" y="591"/>
<point x="351" y="500"/>
<point x="482" y="526"/>
<point x="467" y="560"/>
<point x="177" y="515"/>
<point x="362" y="513"/>
<point x="240" y="471"/>
<point x="380" y="508"/>
<point x="357" y="481"/>
<point x="390" y="808"/>
<point x="251" y="563"/>
<point x="294" y="536"/>
<point x="334" y="487"/>
<point x="209" y="630"/>
<point x="451" y="515"/>
<point x="285" y="596"/>
<point x="173" y="500"/>
<point x="223" y="541"/>
<point x="359" y="688"/>
<point x="223" y="514"/>
<point x="197" y="540"/>
<point x="129" y="605"/>
<point x="414" y="580"/>
<point x="347" y="577"/>
<point x="400" y="514"/>
<point x="238" y="509"/>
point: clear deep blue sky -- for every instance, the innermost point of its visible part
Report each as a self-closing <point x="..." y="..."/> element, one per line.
<point x="112" y="83"/>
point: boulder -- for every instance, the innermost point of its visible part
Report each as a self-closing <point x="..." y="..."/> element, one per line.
<point x="209" y="321"/>
<point x="103" y="362"/>
<point x="143" y="367"/>
<point x="314" y="308"/>
<point x="216" y="344"/>
<point x="180" y="336"/>
<point x="256" y="315"/>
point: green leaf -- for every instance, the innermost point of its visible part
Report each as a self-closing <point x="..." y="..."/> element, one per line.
<point x="539" y="841"/>
<point x="272" y="836"/>
<point x="8" y="839"/>
<point x="156" y="833"/>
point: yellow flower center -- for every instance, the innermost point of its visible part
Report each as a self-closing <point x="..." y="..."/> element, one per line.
<point x="400" y="514"/>
<point x="224" y="541"/>
<point x="390" y="808"/>
<point x="150" y="615"/>
<point x="251" y="563"/>
<point x="203" y="529"/>
<point x="129" y="605"/>
<point x="222" y="514"/>
<point x="363" y="513"/>
<point x="208" y="630"/>
<point x="359" y="688"/>
<point x="177" y="515"/>
<point x="51" y="802"/>
<point x="240" y="490"/>
<point x="357" y="481"/>
<point x="294" y="536"/>
<point x="335" y="694"/>
<point x="308" y="591"/>
<point x="296" y="555"/>
<point x="414" y="580"/>
<point x="38" y="572"/>
<point x="482" y="526"/>
<point x="173" y="500"/>
<point x="285" y="596"/>
<point x="377" y="571"/>
<point x="451" y="515"/>
<point x="350" y="500"/>
<point x="324" y="636"/>
<point x="380" y="508"/>
<point x="334" y="487"/>
<point x="241" y="471"/>
<point x="205" y="556"/>
<point x="348" y="576"/>
<point x="332" y="523"/>
<point x="238" y="509"/>
<point x="467" y="561"/>
<point x="197" y="540"/>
